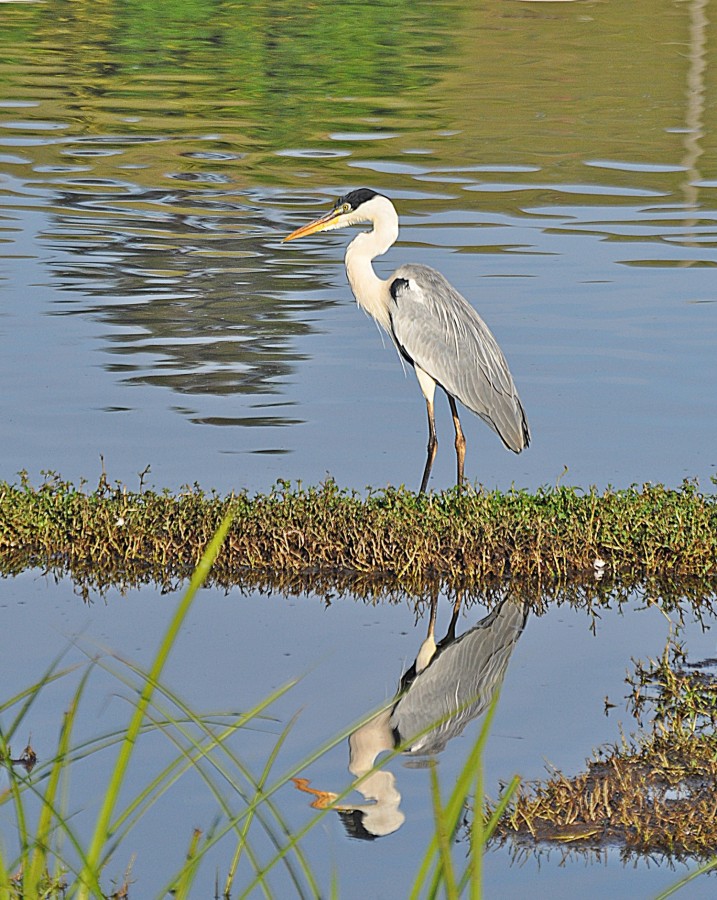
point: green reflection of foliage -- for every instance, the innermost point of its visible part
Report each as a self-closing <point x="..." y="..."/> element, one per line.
<point x="267" y="75"/>
<point x="336" y="46"/>
<point x="544" y="85"/>
<point x="249" y="47"/>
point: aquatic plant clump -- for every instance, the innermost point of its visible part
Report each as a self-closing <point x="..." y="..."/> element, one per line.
<point x="654" y="794"/>
<point x="658" y="798"/>
<point x="458" y="538"/>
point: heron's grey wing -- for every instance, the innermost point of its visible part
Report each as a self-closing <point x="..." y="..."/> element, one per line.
<point x="460" y="681"/>
<point x="438" y="330"/>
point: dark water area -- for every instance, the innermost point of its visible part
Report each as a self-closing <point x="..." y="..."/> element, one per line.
<point x="557" y="162"/>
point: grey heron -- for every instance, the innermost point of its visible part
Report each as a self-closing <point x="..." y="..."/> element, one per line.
<point x="434" y="327"/>
<point x="451" y="682"/>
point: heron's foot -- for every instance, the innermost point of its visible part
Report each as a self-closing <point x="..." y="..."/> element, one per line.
<point x="467" y="487"/>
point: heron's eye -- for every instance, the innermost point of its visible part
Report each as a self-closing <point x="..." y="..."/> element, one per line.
<point x="346" y="208"/>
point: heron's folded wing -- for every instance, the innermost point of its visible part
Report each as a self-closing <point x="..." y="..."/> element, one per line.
<point x="438" y="330"/>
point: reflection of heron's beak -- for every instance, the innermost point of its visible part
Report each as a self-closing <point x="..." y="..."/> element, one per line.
<point x="322" y="224"/>
<point x="324" y="799"/>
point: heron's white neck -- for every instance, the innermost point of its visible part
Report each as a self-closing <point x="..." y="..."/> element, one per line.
<point x="370" y="291"/>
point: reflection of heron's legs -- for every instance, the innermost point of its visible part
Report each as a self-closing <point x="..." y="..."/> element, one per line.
<point x="460" y="441"/>
<point x="432" y="619"/>
<point x="432" y="445"/>
<point x="428" y="647"/>
<point x="451" y="633"/>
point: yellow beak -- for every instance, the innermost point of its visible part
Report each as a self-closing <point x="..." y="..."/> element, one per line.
<point x="317" y="225"/>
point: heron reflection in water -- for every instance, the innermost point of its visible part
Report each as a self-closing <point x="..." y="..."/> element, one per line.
<point x="434" y="328"/>
<point x="450" y="683"/>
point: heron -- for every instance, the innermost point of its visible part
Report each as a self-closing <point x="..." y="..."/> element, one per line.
<point x="434" y="328"/>
<point x="451" y="682"/>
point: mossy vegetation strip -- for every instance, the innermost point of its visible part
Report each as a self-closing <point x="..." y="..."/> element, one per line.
<point x="460" y="538"/>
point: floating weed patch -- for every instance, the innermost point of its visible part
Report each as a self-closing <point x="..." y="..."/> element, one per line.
<point x="655" y="794"/>
<point x="297" y="538"/>
<point x="649" y="801"/>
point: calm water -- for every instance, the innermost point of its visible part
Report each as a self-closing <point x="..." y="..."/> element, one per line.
<point x="556" y="161"/>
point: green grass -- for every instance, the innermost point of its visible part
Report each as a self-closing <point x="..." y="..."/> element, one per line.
<point x="326" y="539"/>
<point x="53" y="861"/>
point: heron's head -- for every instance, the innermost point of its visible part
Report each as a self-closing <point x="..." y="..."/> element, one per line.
<point x="363" y="205"/>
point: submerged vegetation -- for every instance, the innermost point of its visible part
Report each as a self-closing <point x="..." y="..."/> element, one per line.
<point x="295" y="537"/>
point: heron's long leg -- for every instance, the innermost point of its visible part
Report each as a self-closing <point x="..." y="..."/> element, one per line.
<point x="460" y="441"/>
<point x="432" y="619"/>
<point x="432" y="445"/>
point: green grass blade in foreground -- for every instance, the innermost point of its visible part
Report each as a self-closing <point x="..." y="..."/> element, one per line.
<point x="38" y="863"/>
<point x="451" y="814"/>
<point x="196" y="751"/>
<point x="295" y="770"/>
<point x="60" y="825"/>
<point x="443" y="838"/>
<point x="690" y="876"/>
<point x="16" y="796"/>
<point x="492" y="823"/>
<point x="212" y="738"/>
<point x="25" y="699"/>
<point x="183" y="886"/>
<point x="202" y="751"/>
<point x="102" y="829"/>
<point x="474" y="870"/>
<point x="243" y="842"/>
<point x="194" y="755"/>
<point x="481" y="833"/>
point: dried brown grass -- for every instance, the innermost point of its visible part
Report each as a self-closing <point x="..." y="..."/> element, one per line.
<point x="657" y="793"/>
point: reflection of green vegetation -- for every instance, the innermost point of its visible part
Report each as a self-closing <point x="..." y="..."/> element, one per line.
<point x="654" y="794"/>
<point x="328" y="46"/>
<point x="547" y="86"/>
<point x="265" y="77"/>
<point x="242" y="51"/>
<point x="396" y="539"/>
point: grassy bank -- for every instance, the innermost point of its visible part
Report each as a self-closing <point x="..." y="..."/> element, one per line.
<point x="299" y="537"/>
